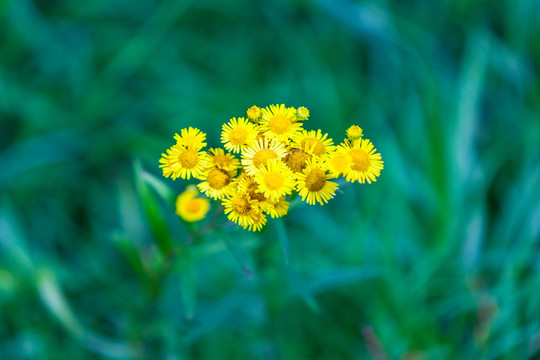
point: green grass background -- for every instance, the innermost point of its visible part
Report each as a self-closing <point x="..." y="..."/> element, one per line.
<point x="437" y="260"/>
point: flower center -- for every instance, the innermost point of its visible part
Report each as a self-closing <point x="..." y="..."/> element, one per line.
<point x="222" y="161"/>
<point x="279" y="124"/>
<point x="360" y="160"/>
<point x="252" y="191"/>
<point x="262" y="157"/>
<point x="318" y="147"/>
<point x="188" y="158"/>
<point x="273" y="180"/>
<point x="241" y="205"/>
<point x="218" y="179"/>
<point x="193" y="205"/>
<point x="315" y="180"/>
<point x="297" y="160"/>
<point x="238" y="135"/>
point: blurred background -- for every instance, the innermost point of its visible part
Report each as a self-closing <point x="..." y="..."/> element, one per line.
<point x="438" y="259"/>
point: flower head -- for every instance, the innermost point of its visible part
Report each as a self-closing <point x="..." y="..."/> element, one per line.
<point x="217" y="182"/>
<point x="313" y="184"/>
<point x="279" y="123"/>
<point x="366" y="165"/>
<point x="297" y="159"/>
<point x="183" y="162"/>
<point x="275" y="179"/>
<point x="238" y="134"/>
<point x="256" y="156"/>
<point x="314" y="142"/>
<point x="338" y="162"/>
<point x="222" y="160"/>
<point x="278" y="209"/>
<point x="259" y="220"/>
<point x="241" y="208"/>
<point x="190" y="207"/>
<point x="191" y="138"/>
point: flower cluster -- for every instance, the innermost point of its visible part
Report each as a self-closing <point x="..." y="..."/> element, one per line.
<point x="278" y="157"/>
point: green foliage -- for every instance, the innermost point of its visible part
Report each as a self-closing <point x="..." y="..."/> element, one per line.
<point x="437" y="260"/>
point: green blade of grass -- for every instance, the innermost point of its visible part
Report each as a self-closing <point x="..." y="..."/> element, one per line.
<point x="283" y="238"/>
<point x="185" y="267"/>
<point x="152" y="211"/>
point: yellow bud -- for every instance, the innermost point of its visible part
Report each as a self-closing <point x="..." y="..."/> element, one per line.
<point x="302" y="113"/>
<point x="254" y="114"/>
<point x="354" y="132"/>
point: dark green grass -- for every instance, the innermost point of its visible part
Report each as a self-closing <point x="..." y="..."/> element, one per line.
<point x="437" y="260"/>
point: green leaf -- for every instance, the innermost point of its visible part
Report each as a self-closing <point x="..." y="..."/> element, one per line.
<point x="152" y="210"/>
<point x="55" y="302"/>
<point x="131" y="252"/>
<point x="283" y="238"/>
<point x="159" y="186"/>
<point x="185" y="268"/>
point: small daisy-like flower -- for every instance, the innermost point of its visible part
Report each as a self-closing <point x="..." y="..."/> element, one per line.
<point x="338" y="162"/>
<point x="258" y="222"/>
<point x="192" y="138"/>
<point x="217" y="182"/>
<point x="241" y="208"/>
<point x="297" y="159"/>
<point x="222" y="160"/>
<point x="190" y="207"/>
<point x="366" y="165"/>
<point x="247" y="184"/>
<point x="256" y="156"/>
<point x="279" y="123"/>
<point x="354" y="132"/>
<point x="183" y="162"/>
<point x="313" y="184"/>
<point x="314" y="142"/>
<point x="238" y="134"/>
<point x="278" y="209"/>
<point x="275" y="180"/>
<point x="302" y="113"/>
<point x="254" y="114"/>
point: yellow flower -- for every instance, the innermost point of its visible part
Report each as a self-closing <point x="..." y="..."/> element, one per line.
<point x="297" y="159"/>
<point x="222" y="160"/>
<point x="254" y="113"/>
<point x="302" y="113"/>
<point x="366" y="165"/>
<point x="354" y="132"/>
<point x="278" y="209"/>
<point x="191" y="208"/>
<point x="275" y="180"/>
<point x="313" y="184"/>
<point x="279" y="123"/>
<point x="183" y="162"/>
<point x="247" y="184"/>
<point x="191" y="138"/>
<point x="258" y="155"/>
<point x="314" y="142"/>
<point x="241" y="208"/>
<point x="217" y="182"/>
<point x="238" y="134"/>
<point x="338" y="162"/>
<point x="258" y="222"/>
